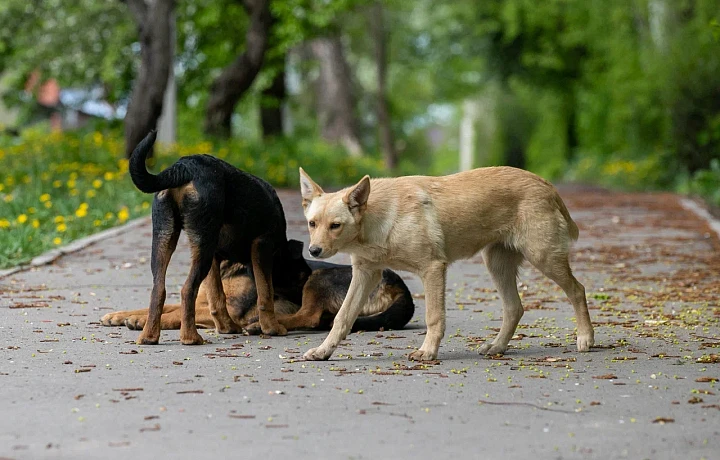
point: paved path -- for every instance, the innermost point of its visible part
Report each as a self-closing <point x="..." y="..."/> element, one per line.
<point x="70" y="388"/>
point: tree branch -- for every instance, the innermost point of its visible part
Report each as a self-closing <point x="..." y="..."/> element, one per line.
<point x="236" y="79"/>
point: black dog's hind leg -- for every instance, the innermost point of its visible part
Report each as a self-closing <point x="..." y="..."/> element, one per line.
<point x="262" y="263"/>
<point x="203" y="243"/>
<point x="166" y="230"/>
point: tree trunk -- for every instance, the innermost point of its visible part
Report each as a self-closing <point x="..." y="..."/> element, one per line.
<point x="380" y="37"/>
<point x="146" y="101"/>
<point x="236" y="79"/>
<point x="336" y="104"/>
<point x="271" y="104"/>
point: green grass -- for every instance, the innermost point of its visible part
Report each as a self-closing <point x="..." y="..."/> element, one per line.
<point x="55" y="188"/>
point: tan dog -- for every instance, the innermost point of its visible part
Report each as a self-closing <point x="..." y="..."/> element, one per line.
<point x="422" y="224"/>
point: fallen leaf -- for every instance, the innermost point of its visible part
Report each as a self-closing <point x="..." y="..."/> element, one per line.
<point x="606" y="377"/>
<point x="155" y="427"/>
<point x="663" y="420"/>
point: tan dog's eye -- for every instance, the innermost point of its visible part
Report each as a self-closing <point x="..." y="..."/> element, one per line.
<point x="334" y="226"/>
<point x="311" y="224"/>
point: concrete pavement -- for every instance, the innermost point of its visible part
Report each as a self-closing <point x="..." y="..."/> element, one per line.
<point x="71" y="388"/>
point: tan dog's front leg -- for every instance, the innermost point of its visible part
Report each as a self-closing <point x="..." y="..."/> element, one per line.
<point x="364" y="280"/>
<point x="434" y="284"/>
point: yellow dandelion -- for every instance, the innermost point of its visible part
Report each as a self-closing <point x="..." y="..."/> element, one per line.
<point x="97" y="183"/>
<point x="74" y="192"/>
<point x="73" y="175"/>
<point x="90" y="194"/>
<point x="48" y="204"/>
<point x="59" y="219"/>
<point x="109" y="216"/>
<point x="145" y="205"/>
<point x="4" y="223"/>
<point x="32" y="210"/>
<point x="61" y="227"/>
<point x="109" y="176"/>
<point x="81" y="212"/>
<point x="45" y="176"/>
<point x="8" y="198"/>
<point x="57" y="183"/>
<point x="35" y="223"/>
<point x="57" y="240"/>
<point x="44" y="197"/>
<point x="26" y="179"/>
<point x="2" y="187"/>
<point x="123" y="214"/>
<point x="22" y="218"/>
<point x="70" y="183"/>
<point x="10" y="181"/>
<point x="97" y="222"/>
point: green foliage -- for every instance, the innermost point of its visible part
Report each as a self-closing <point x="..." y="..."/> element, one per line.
<point x="83" y="41"/>
<point x="618" y="92"/>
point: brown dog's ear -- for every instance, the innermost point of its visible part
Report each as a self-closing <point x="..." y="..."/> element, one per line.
<point x="356" y="198"/>
<point x="308" y="188"/>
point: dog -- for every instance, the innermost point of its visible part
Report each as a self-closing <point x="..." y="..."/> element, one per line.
<point x="227" y="214"/>
<point x="390" y="305"/>
<point x="422" y="224"/>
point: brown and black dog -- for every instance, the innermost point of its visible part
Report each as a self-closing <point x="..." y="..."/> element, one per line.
<point x="390" y="305"/>
<point x="228" y="215"/>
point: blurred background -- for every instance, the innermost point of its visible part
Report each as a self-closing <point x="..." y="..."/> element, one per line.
<point x="622" y="93"/>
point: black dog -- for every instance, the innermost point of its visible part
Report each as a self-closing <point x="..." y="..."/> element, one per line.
<point x="227" y="214"/>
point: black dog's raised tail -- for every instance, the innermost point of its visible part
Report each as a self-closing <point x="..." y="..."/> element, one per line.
<point x="174" y="176"/>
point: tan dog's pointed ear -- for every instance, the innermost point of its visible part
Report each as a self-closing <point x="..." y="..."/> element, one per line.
<point x="308" y="188"/>
<point x="356" y="198"/>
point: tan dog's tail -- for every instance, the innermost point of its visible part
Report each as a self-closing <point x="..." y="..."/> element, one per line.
<point x="573" y="230"/>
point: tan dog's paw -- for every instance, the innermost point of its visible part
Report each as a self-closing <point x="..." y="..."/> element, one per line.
<point x="584" y="342"/>
<point x="116" y="318"/>
<point x="317" y="354"/>
<point x="421" y="355"/>
<point x="491" y="349"/>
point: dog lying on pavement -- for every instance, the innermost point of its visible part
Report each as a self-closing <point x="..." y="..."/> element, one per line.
<point x="311" y="305"/>
<point x="422" y="224"/>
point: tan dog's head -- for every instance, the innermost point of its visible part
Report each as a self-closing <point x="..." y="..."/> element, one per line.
<point x="333" y="218"/>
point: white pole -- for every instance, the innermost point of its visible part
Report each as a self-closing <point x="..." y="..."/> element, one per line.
<point x="470" y="109"/>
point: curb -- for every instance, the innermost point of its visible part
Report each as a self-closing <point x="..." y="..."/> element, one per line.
<point x="702" y="213"/>
<point x="54" y="254"/>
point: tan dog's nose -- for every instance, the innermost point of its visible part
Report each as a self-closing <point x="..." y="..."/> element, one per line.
<point x="315" y="251"/>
